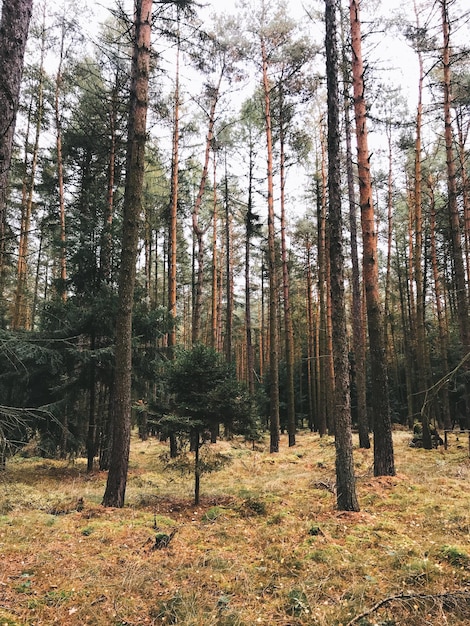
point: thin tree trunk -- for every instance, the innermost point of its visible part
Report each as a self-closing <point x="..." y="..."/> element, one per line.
<point x="463" y="161"/>
<point x="288" y="327"/>
<point x="417" y="258"/>
<point x="198" y="231"/>
<point x="117" y="476"/>
<point x="250" y="361"/>
<point x="107" y="245"/>
<point x="323" y="375"/>
<point x="37" y="277"/>
<point x="172" y="240"/>
<point x="311" y="343"/>
<point x="274" y="421"/>
<point x="441" y="321"/>
<point x="228" y="340"/>
<point x="60" y="173"/>
<point x="197" y="467"/>
<point x="91" y="435"/>
<point x="384" y="464"/>
<point x="357" y="314"/>
<point x="215" y="269"/>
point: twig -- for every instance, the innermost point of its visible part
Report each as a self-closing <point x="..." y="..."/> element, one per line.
<point x="410" y="596"/>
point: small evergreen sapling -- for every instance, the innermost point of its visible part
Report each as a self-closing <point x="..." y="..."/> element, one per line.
<point x="205" y="393"/>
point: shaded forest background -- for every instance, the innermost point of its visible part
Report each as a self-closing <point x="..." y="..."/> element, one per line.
<point x="233" y="254"/>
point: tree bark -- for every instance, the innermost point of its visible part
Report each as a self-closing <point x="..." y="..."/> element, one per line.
<point x="14" y="28"/>
<point x="215" y="264"/>
<point x="288" y="326"/>
<point x="384" y="464"/>
<point x="117" y="477"/>
<point x="441" y="319"/>
<point x="172" y="239"/>
<point x="417" y="259"/>
<point x="198" y="231"/>
<point x="325" y="381"/>
<point x="345" y="480"/>
<point x="249" y="220"/>
<point x="60" y="172"/>
<point x="454" y="217"/>
<point x="274" y="421"/>
<point x="358" y="334"/>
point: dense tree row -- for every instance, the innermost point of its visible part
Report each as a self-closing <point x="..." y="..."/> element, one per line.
<point x="250" y="183"/>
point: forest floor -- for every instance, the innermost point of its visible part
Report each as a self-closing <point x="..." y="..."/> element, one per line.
<point x="266" y="545"/>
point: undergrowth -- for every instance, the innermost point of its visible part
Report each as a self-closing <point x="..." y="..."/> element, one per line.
<point x="265" y="546"/>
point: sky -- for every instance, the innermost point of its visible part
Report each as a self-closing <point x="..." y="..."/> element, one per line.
<point x="389" y="50"/>
<point x="395" y="60"/>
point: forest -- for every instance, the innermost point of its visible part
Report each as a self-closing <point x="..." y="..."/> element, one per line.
<point x="234" y="243"/>
<point x="211" y="184"/>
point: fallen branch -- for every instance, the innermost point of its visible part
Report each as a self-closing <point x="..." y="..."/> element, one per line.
<point x="450" y="595"/>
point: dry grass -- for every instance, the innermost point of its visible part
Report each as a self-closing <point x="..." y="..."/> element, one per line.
<point x="266" y="546"/>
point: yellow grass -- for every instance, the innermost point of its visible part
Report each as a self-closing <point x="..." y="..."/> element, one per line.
<point x="266" y="545"/>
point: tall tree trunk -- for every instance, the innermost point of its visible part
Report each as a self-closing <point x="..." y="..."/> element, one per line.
<point x="60" y="172"/>
<point x="311" y="343"/>
<point x="384" y="464"/>
<point x="345" y="481"/>
<point x="357" y="313"/>
<point x="228" y="340"/>
<point x="172" y="240"/>
<point x="198" y="231"/>
<point x="288" y="327"/>
<point x="22" y="312"/>
<point x="215" y="269"/>
<point x="462" y="135"/>
<point x="117" y="476"/>
<point x="441" y="320"/>
<point x="249" y="219"/>
<point x="34" y="304"/>
<point x="107" y="240"/>
<point x="403" y="289"/>
<point x="454" y="217"/>
<point x="91" y="434"/>
<point x="14" y="27"/>
<point x="326" y="385"/>
<point x="274" y="421"/>
<point x="417" y="258"/>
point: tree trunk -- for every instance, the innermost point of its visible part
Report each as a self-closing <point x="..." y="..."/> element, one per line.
<point x="228" y="340"/>
<point x="441" y="321"/>
<point x="384" y="464"/>
<point x="345" y="480"/>
<point x="311" y="343"/>
<point x="117" y="476"/>
<point x="107" y="241"/>
<point x="198" y="231"/>
<point x="274" y="422"/>
<point x="454" y="217"/>
<point x="91" y="434"/>
<point x="14" y="27"/>
<point x="172" y="240"/>
<point x="357" y="313"/>
<point x="215" y="268"/>
<point x="288" y="328"/>
<point x="60" y="173"/>
<point x="421" y="360"/>
<point x="249" y="219"/>
<point x="22" y="316"/>
<point x="197" y="467"/>
<point x="325" y="382"/>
